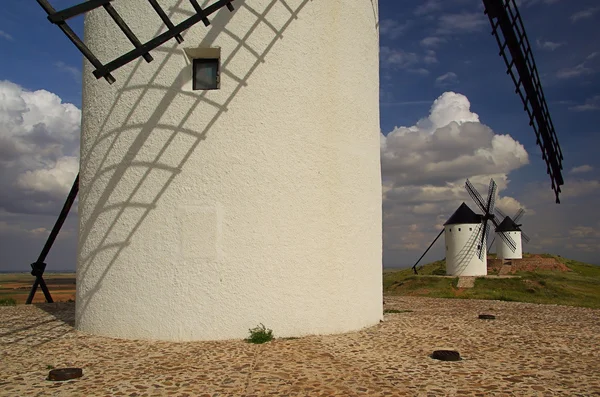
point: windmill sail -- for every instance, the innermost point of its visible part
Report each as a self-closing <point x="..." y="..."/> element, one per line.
<point x="487" y="207"/>
<point x="505" y="19"/>
<point x="141" y="50"/>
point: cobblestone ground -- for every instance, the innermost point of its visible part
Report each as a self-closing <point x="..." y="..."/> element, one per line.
<point x="529" y="350"/>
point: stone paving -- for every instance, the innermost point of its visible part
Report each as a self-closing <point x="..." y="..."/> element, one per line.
<point x="529" y="350"/>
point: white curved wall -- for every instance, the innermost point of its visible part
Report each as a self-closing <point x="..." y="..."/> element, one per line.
<point x="462" y="257"/>
<point x="205" y="213"/>
<point x="503" y="251"/>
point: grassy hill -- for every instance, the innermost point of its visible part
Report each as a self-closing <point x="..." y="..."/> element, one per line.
<point x="579" y="287"/>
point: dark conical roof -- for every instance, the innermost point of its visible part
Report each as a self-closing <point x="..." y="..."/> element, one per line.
<point x="507" y="225"/>
<point x="463" y="215"/>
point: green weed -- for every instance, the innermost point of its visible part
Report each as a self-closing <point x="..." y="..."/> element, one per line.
<point x="260" y="334"/>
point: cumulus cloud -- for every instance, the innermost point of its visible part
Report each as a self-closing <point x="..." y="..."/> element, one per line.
<point x="584" y="14"/>
<point x="6" y="36"/>
<point x="430" y="57"/>
<point x="432" y="41"/>
<point x="575" y="71"/>
<point x="548" y="45"/>
<point x="590" y="104"/>
<point x="39" y="149"/>
<point x="581" y="169"/>
<point x="580" y="187"/>
<point x="446" y="79"/>
<point x="584" y="231"/>
<point x="528" y="3"/>
<point x="393" y="29"/>
<point x="74" y="72"/>
<point x="584" y="239"/>
<point x="465" y="22"/>
<point x="424" y="168"/>
<point x="54" y="180"/>
<point x="428" y="7"/>
<point x="398" y="58"/>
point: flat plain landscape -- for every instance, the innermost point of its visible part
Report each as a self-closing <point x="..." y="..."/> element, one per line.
<point x="538" y="278"/>
<point x="17" y="286"/>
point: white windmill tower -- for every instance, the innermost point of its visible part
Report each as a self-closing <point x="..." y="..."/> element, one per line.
<point x="462" y="233"/>
<point x="509" y="227"/>
<point x="465" y="233"/>
<point x="235" y="179"/>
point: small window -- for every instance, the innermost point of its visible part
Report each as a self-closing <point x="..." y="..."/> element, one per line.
<point x="449" y="230"/>
<point x="205" y="74"/>
<point x="470" y="229"/>
<point x="459" y="229"/>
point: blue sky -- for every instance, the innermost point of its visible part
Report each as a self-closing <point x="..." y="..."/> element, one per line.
<point x="447" y="46"/>
<point x="429" y="49"/>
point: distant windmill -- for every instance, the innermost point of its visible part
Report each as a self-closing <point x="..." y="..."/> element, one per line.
<point x="509" y="228"/>
<point x="466" y="235"/>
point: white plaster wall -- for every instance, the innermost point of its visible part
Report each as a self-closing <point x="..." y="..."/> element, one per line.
<point x="462" y="257"/>
<point x="203" y="214"/>
<point x="503" y="251"/>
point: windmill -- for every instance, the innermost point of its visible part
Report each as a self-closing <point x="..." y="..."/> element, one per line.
<point x="466" y="235"/>
<point x="206" y="168"/>
<point x="509" y="227"/>
<point x="191" y="137"/>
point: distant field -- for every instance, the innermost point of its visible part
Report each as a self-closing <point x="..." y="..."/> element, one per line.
<point x="579" y="287"/>
<point x="18" y="285"/>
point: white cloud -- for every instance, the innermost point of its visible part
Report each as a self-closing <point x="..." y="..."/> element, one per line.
<point x="432" y="41"/>
<point x="428" y="7"/>
<point x="421" y="71"/>
<point x="576" y="71"/>
<point x="548" y="45"/>
<point x="584" y="14"/>
<point x="465" y="22"/>
<point x="397" y="57"/>
<point x="393" y="29"/>
<point x="510" y="206"/>
<point x="424" y="168"/>
<point x="581" y="169"/>
<point x="580" y="188"/>
<point x="73" y="71"/>
<point x="584" y="238"/>
<point x="447" y="79"/>
<point x="584" y="231"/>
<point x="430" y="57"/>
<point x="592" y="103"/>
<point x="5" y="35"/>
<point x="55" y="179"/>
<point x="39" y="149"/>
<point x="528" y="3"/>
